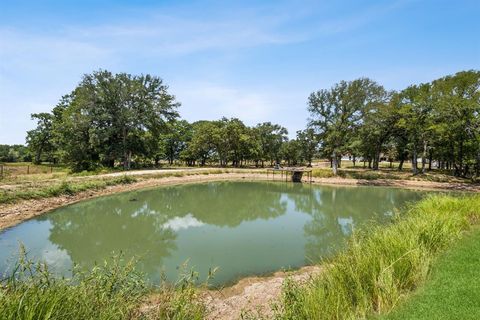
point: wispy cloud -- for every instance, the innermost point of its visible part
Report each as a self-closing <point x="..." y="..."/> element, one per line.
<point x="208" y="101"/>
<point x="37" y="66"/>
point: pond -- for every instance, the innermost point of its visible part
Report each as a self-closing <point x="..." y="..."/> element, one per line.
<point x="244" y="228"/>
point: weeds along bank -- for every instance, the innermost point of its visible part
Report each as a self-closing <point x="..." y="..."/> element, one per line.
<point x="113" y="291"/>
<point x="381" y="266"/>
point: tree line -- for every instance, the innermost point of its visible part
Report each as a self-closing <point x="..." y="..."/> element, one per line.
<point x="124" y="120"/>
<point x="14" y="153"/>
<point x="436" y="123"/>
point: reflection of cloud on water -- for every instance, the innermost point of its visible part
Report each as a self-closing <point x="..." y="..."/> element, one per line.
<point x="346" y="224"/>
<point x="185" y="222"/>
<point x="55" y="257"/>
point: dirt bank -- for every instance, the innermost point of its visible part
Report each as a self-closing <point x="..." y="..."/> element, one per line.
<point x="12" y="214"/>
<point x="252" y="296"/>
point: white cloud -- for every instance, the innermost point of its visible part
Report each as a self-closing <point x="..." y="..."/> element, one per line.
<point x="179" y="223"/>
<point x="37" y="66"/>
<point x="216" y="100"/>
<point x="211" y="101"/>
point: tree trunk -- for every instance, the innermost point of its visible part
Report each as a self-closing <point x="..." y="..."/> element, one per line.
<point x="430" y="159"/>
<point x="376" y="160"/>
<point x="334" y="163"/>
<point x="38" y="155"/>
<point x="477" y="167"/>
<point x="414" y="161"/>
<point x="424" y="156"/>
<point x="129" y="159"/>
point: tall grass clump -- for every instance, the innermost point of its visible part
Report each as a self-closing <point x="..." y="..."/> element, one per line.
<point x="382" y="265"/>
<point x="125" y="179"/>
<point x="322" y="173"/>
<point x="114" y="290"/>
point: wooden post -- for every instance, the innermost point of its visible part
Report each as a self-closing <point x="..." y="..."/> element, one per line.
<point x="51" y="169"/>
<point x="28" y="169"/>
<point x="1" y="171"/>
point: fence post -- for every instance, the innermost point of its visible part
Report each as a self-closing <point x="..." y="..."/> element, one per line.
<point x="1" y="171"/>
<point x="28" y="169"/>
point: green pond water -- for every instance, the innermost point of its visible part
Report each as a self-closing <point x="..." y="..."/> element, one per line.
<point x="244" y="228"/>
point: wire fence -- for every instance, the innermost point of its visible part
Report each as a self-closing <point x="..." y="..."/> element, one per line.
<point x="7" y="170"/>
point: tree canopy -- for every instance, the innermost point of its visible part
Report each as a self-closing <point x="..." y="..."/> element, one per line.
<point x="120" y="119"/>
<point x="437" y="122"/>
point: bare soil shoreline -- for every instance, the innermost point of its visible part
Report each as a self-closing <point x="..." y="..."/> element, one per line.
<point x="13" y="214"/>
<point x="252" y="295"/>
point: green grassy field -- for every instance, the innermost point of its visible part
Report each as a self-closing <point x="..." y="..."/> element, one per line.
<point x="453" y="289"/>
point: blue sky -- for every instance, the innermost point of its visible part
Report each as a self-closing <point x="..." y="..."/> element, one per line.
<point x="255" y="60"/>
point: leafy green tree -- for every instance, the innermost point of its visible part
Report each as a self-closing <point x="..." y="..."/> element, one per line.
<point x="14" y="153"/>
<point x="337" y="113"/>
<point x="416" y="113"/>
<point x="291" y="152"/>
<point x="175" y="140"/>
<point x="40" y="139"/>
<point x="457" y="122"/>
<point x="376" y="131"/>
<point x="307" y="142"/>
<point x="202" y="146"/>
<point x="270" y="138"/>
<point x="107" y="117"/>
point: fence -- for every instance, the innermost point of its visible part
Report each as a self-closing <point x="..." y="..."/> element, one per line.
<point x="16" y="170"/>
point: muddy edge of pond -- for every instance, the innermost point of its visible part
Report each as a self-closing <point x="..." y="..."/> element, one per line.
<point x="13" y="214"/>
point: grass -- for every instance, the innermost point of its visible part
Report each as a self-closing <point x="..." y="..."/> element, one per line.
<point x="369" y="174"/>
<point x="453" y="290"/>
<point x="383" y="265"/>
<point x="108" y="291"/>
<point x="19" y="170"/>
<point x="62" y="188"/>
<point x="73" y="184"/>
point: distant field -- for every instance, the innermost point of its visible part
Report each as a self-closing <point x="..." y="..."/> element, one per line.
<point x="21" y="168"/>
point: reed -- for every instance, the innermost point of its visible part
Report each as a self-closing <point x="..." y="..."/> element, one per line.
<point x="114" y="290"/>
<point x="382" y="265"/>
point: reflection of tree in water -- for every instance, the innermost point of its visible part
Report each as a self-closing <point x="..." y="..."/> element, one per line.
<point x="91" y="231"/>
<point x="335" y="211"/>
<point x="221" y="204"/>
<point x="141" y="224"/>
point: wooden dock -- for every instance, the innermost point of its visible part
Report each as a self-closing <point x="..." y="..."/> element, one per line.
<point x="295" y="174"/>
